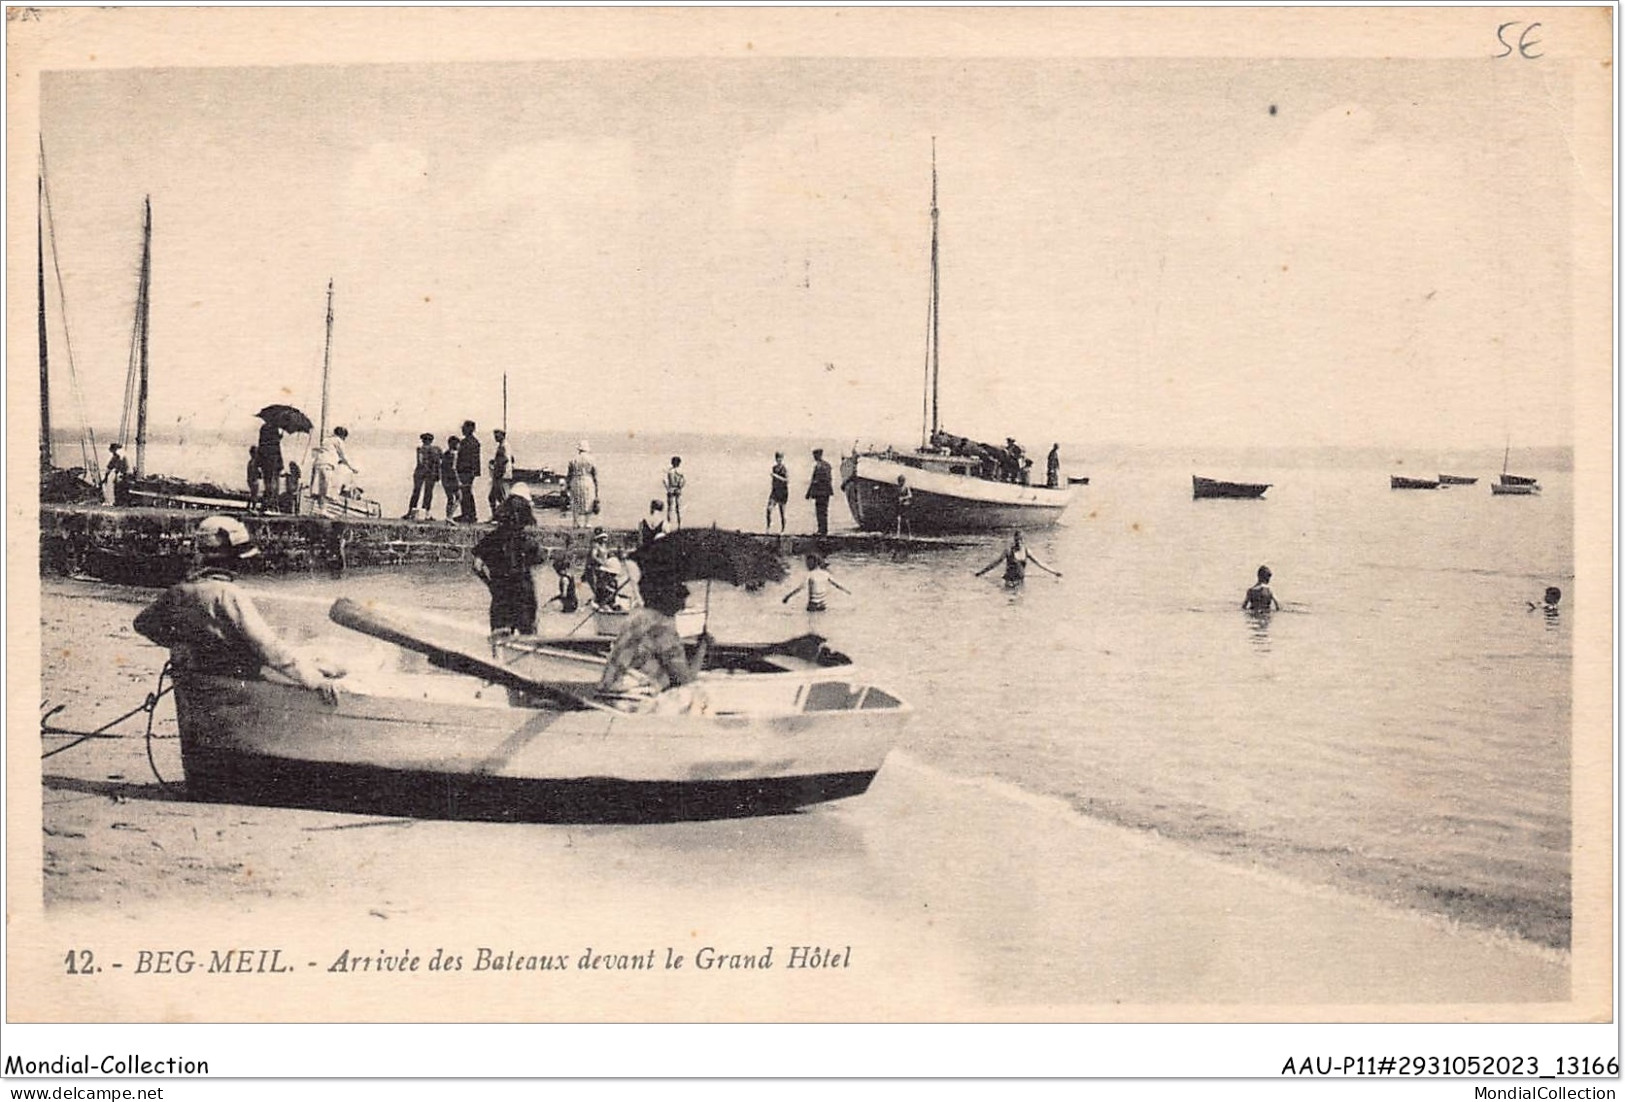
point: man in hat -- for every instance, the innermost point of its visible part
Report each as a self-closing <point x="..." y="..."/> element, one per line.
<point x="468" y="469"/>
<point x="448" y="475"/>
<point x="504" y="560"/>
<point x="425" y="474"/>
<point x="820" y="489"/>
<point x="498" y="493"/>
<point x="210" y="625"/>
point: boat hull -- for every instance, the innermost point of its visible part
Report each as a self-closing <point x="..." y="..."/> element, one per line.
<point x="1215" y="488"/>
<point x="1518" y="480"/>
<point x="464" y="749"/>
<point x="1456" y="480"/>
<point x="611" y="622"/>
<point x="1396" y="482"/>
<point x="1513" y="489"/>
<point x="944" y="502"/>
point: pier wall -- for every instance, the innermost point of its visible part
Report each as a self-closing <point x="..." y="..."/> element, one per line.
<point x="153" y="546"/>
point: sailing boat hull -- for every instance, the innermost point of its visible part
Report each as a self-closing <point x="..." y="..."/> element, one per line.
<point x="944" y="502"/>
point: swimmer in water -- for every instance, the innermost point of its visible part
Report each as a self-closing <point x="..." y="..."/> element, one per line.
<point x="1259" y="598"/>
<point x="1015" y="559"/>
<point x="1549" y="602"/>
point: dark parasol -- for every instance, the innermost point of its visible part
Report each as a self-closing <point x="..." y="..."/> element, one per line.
<point x="712" y="554"/>
<point x="286" y="418"/>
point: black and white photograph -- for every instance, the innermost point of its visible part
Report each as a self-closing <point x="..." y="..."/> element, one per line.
<point x="695" y="515"/>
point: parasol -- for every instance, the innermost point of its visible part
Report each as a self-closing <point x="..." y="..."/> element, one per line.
<point x="286" y="418"/>
<point x="712" y="554"/>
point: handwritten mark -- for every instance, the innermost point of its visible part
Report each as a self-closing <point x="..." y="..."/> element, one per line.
<point x="1525" y="45"/>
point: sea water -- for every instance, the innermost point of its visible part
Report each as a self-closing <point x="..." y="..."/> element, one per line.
<point x="1401" y="729"/>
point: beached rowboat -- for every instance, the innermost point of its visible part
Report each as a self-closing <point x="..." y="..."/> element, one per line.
<point x="485" y="738"/>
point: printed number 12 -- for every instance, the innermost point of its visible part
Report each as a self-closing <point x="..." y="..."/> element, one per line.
<point x="80" y="962"/>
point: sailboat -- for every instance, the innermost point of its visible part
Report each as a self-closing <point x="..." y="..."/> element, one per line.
<point x="1530" y="485"/>
<point x="956" y="484"/>
<point x="144" y="488"/>
<point x="58" y="485"/>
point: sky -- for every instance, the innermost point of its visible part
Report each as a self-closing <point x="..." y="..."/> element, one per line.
<point x="1140" y="251"/>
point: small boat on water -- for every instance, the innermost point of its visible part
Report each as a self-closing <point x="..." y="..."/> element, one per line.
<point x="1399" y="482"/>
<point x="1077" y="480"/>
<point x="956" y="484"/>
<point x="1514" y="489"/>
<point x="1456" y="480"/>
<point x="548" y="489"/>
<point x="1213" y="487"/>
<point x="1514" y="479"/>
<point x="518" y="735"/>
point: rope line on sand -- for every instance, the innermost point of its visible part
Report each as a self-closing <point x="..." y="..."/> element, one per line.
<point x="149" y="705"/>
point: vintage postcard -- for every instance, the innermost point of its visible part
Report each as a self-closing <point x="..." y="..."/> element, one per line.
<point x="978" y="515"/>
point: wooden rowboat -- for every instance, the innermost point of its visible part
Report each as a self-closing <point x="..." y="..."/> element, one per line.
<point x="1212" y="487"/>
<point x="470" y="735"/>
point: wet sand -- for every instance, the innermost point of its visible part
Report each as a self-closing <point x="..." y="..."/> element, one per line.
<point x="961" y="899"/>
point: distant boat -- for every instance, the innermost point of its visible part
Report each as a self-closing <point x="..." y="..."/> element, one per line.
<point x="1213" y="487"/>
<point x="1514" y="479"/>
<point x="955" y="484"/>
<point x="1456" y="480"/>
<point x="1517" y="489"/>
<point x="1399" y="482"/>
<point x="1077" y="480"/>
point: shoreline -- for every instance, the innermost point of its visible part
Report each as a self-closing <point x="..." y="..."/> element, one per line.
<point x="1041" y="905"/>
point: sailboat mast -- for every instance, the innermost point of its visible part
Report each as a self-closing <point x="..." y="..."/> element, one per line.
<point x="44" y="354"/>
<point x="327" y="363"/>
<point x="141" y="313"/>
<point x="928" y="416"/>
<point x="504" y="403"/>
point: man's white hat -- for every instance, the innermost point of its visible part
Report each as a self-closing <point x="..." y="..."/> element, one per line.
<point x="520" y="490"/>
<point x="226" y="536"/>
<point x="581" y="446"/>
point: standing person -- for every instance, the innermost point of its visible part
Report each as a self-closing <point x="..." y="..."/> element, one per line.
<point x="210" y="625"/>
<point x="582" y="480"/>
<point x="424" y="475"/>
<point x="778" y="493"/>
<point x="905" y="506"/>
<point x="1052" y="469"/>
<point x="329" y="457"/>
<point x="256" y="479"/>
<point x="503" y="561"/>
<point x="295" y="480"/>
<point x="499" y="471"/>
<point x="270" y="446"/>
<point x="1015" y="559"/>
<point x="674" y="492"/>
<point x="816" y="584"/>
<point x="468" y="470"/>
<point x="820" y="488"/>
<point x="448" y="476"/>
<point x="116" y="479"/>
<point x="1260" y="598"/>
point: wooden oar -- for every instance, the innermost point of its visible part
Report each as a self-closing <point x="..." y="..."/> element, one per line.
<point x="449" y="654"/>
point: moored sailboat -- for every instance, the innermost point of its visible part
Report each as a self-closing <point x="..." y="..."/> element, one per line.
<point x="953" y="484"/>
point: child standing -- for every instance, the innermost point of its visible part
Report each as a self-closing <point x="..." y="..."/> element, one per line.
<point x="674" y="493"/>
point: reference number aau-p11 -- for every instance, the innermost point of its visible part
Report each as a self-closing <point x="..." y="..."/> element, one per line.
<point x="1558" y="1066"/>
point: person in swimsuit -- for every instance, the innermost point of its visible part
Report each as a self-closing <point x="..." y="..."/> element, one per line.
<point x="779" y="491"/>
<point x="1015" y="559"/>
<point x="1259" y="598"/>
<point x="817" y="585"/>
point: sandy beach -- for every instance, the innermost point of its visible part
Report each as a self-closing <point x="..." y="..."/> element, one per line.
<point x="946" y="898"/>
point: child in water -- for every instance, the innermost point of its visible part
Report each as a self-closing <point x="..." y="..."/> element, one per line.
<point x="1259" y="598"/>
<point x="566" y="596"/>
<point x="1015" y="559"/>
<point x="818" y="578"/>
<point x="1548" y="604"/>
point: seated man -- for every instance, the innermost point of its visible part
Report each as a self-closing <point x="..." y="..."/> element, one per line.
<point x="648" y="667"/>
<point x="210" y="625"/>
